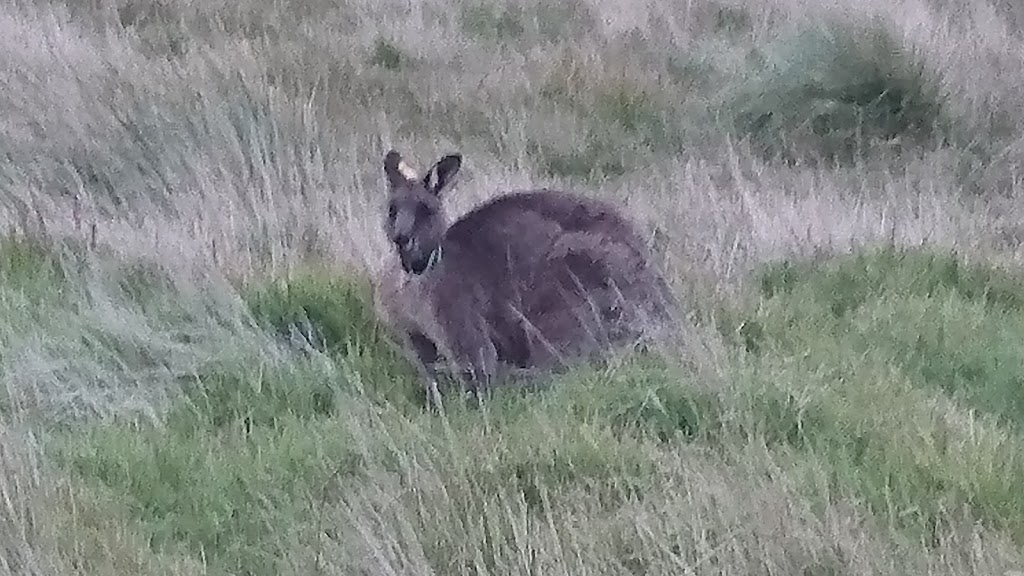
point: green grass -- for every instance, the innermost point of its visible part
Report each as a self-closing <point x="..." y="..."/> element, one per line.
<point x="890" y="348"/>
<point x="946" y="325"/>
<point x="231" y="493"/>
<point x="249" y="441"/>
<point x="332" y="315"/>
<point x="31" y="270"/>
<point x="229" y="466"/>
<point x="857" y="367"/>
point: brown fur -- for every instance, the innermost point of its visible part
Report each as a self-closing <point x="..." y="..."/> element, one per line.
<point x="530" y="279"/>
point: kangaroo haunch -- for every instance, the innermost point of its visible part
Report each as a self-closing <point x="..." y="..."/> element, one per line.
<point x="530" y="279"/>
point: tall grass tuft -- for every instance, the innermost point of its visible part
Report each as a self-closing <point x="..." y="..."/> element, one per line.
<point x="839" y="92"/>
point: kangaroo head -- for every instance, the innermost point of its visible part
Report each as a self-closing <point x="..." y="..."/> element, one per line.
<point x="416" y="221"/>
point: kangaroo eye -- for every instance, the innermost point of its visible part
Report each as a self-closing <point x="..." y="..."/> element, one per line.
<point x="392" y="212"/>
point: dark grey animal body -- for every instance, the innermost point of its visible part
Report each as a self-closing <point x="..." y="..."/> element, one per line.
<point x="531" y="279"/>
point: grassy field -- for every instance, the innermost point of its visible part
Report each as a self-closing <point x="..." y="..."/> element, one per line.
<point x="195" y="380"/>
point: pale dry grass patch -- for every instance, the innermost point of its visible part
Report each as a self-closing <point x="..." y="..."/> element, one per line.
<point x="238" y="208"/>
<point x="724" y="220"/>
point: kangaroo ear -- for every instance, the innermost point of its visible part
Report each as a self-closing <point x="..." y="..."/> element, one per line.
<point x="443" y="173"/>
<point x="397" y="171"/>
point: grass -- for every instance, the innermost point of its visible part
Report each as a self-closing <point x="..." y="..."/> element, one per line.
<point x="251" y="449"/>
<point x="963" y="318"/>
<point x="859" y="90"/>
<point x="196" y="379"/>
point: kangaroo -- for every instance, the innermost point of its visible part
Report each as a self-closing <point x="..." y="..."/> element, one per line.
<point x="530" y="279"/>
